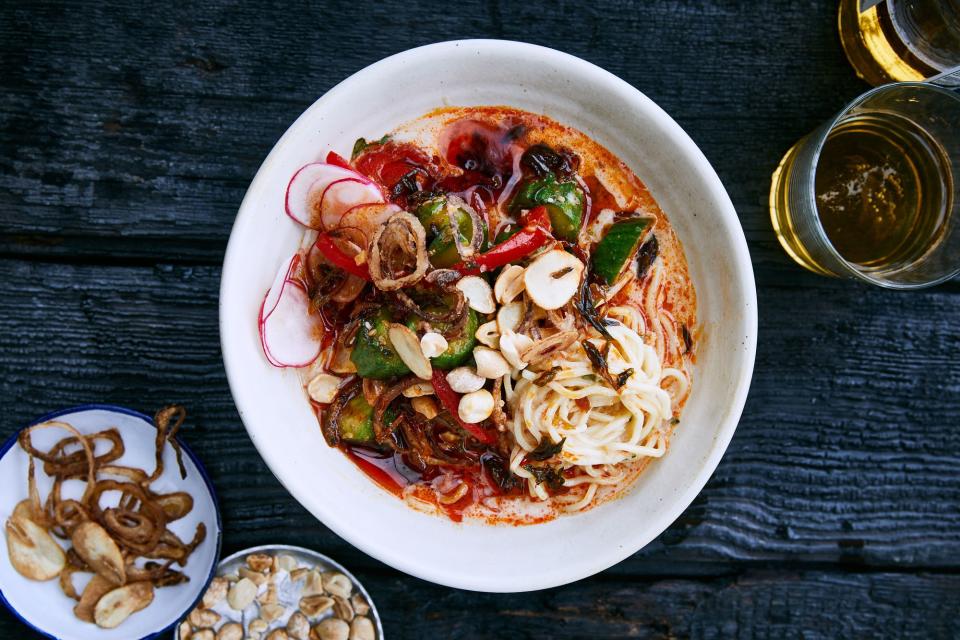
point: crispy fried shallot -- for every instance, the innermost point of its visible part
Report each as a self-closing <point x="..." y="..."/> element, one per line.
<point x="398" y="253"/>
<point x="106" y="540"/>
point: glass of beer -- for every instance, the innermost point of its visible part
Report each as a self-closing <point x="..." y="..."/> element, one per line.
<point x="874" y="194"/>
<point x="900" y="40"/>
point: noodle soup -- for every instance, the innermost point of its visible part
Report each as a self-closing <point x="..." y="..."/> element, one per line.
<point x="493" y="318"/>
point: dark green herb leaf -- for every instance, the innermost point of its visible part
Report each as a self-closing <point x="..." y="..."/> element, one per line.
<point x="546" y="450"/>
<point x="552" y="477"/>
<point x="499" y="472"/>
<point x="358" y="148"/>
<point x="584" y="304"/>
<point x="687" y="340"/>
<point x="361" y="145"/>
<point x="598" y="359"/>
<point x="406" y="184"/>
<point x="541" y="160"/>
<point x="646" y="255"/>
<point x="546" y="376"/>
<point x="595" y="355"/>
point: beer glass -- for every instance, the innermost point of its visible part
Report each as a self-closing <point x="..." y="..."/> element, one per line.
<point x="874" y="194"/>
<point x="900" y="40"/>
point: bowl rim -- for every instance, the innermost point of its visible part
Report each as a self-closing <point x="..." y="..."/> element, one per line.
<point x="112" y="408"/>
<point x="739" y="252"/>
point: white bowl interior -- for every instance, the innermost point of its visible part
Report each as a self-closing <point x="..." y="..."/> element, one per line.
<point x="275" y="410"/>
<point x="43" y="604"/>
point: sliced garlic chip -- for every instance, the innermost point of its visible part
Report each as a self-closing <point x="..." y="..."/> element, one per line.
<point x="488" y="334"/>
<point x="478" y="294"/>
<point x="405" y="342"/>
<point x="509" y="284"/>
<point x="509" y="317"/>
<point x="512" y="345"/>
<point x="323" y="388"/>
<point x="95" y="546"/>
<point x="552" y="279"/>
<point x="118" y="605"/>
<point x="33" y="552"/>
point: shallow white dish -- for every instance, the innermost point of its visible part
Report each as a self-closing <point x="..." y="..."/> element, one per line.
<point x="42" y="605"/>
<point x="309" y="558"/>
<point x="274" y="407"/>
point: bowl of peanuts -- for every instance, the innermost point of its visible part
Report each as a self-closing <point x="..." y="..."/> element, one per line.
<point x="281" y="592"/>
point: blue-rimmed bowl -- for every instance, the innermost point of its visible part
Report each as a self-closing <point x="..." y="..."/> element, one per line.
<point x="42" y="605"/>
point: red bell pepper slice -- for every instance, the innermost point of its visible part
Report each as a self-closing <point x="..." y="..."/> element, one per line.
<point x="518" y="246"/>
<point x="535" y="234"/>
<point x="450" y="400"/>
<point x="335" y="158"/>
<point x="537" y="217"/>
<point x="336" y="256"/>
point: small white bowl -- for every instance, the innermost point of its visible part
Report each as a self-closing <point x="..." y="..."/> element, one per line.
<point x="274" y="407"/>
<point x="308" y="558"/>
<point x="42" y="605"/>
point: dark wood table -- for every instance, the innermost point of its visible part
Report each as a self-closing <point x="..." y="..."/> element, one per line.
<point x="128" y="136"/>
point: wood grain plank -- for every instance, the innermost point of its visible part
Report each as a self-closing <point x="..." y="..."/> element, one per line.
<point x="754" y="605"/>
<point x="847" y="451"/>
<point x="130" y="134"/>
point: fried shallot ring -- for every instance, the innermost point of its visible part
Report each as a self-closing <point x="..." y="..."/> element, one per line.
<point x="380" y="430"/>
<point x="161" y="575"/>
<point x="91" y="466"/>
<point x="74" y="464"/>
<point x="126" y="536"/>
<point x="66" y="581"/>
<point x="395" y="243"/>
<point x="130" y="526"/>
<point x="167" y="433"/>
<point x="38" y="511"/>
<point x="69" y="514"/>
<point x="130" y="473"/>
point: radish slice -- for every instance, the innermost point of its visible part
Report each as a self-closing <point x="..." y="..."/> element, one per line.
<point x="306" y="188"/>
<point x="273" y="293"/>
<point x="342" y="195"/>
<point x="289" y="334"/>
<point x="266" y="350"/>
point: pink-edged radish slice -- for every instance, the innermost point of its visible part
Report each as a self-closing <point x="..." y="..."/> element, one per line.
<point x="291" y="335"/>
<point x="342" y="195"/>
<point x="306" y="188"/>
<point x="273" y="293"/>
<point x="368" y="217"/>
<point x="263" y="344"/>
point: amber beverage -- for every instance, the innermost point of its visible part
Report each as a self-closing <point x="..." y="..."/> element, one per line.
<point x="900" y="40"/>
<point x="874" y="194"/>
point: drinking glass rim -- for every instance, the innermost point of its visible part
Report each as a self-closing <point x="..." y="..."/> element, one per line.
<point x="846" y="264"/>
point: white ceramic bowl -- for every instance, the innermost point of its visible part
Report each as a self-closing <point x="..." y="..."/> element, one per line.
<point x="273" y="405"/>
<point x="42" y="605"/>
